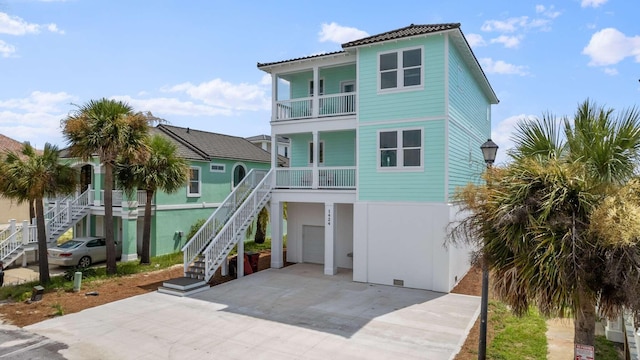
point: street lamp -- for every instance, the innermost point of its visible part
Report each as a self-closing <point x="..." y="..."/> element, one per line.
<point x="489" y="150"/>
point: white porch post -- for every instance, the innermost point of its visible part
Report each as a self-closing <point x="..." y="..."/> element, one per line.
<point x="274" y="159"/>
<point x="240" y="258"/>
<point x="276" y="235"/>
<point x="315" y="104"/>
<point x="274" y="98"/>
<point x="330" y="265"/>
<point x="25" y="240"/>
<point x="316" y="152"/>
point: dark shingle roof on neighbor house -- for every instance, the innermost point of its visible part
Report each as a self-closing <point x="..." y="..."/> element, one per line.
<point x="203" y="145"/>
<point x="263" y="137"/>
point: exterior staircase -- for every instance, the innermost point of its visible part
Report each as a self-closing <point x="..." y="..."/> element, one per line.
<point x="208" y="249"/>
<point x="18" y="238"/>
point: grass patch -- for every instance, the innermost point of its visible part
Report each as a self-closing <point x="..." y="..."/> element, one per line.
<point x="253" y="246"/>
<point x="606" y="350"/>
<point x="22" y="292"/>
<point x="516" y="337"/>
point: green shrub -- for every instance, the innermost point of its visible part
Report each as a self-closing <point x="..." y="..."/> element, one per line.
<point x="195" y="227"/>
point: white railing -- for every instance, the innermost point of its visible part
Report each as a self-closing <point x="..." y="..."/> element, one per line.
<point x="328" y="105"/>
<point x="341" y="177"/>
<point x="64" y="216"/>
<point x="219" y="218"/>
<point x="13" y="237"/>
<point x="231" y="232"/>
<point x="118" y="197"/>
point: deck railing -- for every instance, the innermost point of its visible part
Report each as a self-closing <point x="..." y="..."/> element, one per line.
<point x="327" y="105"/>
<point x="339" y="177"/>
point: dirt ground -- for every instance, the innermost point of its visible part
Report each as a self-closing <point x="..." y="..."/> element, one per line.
<point x="56" y="302"/>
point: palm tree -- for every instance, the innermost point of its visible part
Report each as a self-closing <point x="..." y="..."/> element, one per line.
<point x="162" y="169"/>
<point x="549" y="223"/>
<point x="107" y="129"/>
<point x="30" y="176"/>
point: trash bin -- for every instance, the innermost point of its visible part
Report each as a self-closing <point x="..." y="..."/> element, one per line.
<point x="254" y="258"/>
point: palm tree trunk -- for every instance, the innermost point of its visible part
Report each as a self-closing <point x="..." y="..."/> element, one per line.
<point x="108" y="219"/>
<point x="32" y="211"/>
<point x="585" y="318"/>
<point x="43" y="261"/>
<point x="146" y="231"/>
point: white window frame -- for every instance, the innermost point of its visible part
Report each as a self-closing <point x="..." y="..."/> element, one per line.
<point x="189" y="193"/>
<point x="211" y="169"/>
<point x="400" y="71"/>
<point x="399" y="151"/>
<point x="322" y="150"/>
<point x="345" y="83"/>
<point x="320" y="87"/>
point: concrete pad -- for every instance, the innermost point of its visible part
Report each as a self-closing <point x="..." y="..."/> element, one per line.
<point x="290" y="313"/>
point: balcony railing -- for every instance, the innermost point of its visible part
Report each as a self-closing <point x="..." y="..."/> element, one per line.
<point x="118" y="197"/>
<point x="328" y="105"/>
<point x="343" y="177"/>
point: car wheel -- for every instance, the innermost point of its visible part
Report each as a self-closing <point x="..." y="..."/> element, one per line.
<point x="84" y="262"/>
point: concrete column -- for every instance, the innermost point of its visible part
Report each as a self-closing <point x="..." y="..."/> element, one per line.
<point x="316" y="159"/>
<point x="240" y="258"/>
<point x="129" y="228"/>
<point x="276" y="211"/>
<point x="315" y="104"/>
<point x="330" y="265"/>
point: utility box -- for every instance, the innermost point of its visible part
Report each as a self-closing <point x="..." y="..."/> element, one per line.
<point x="36" y="293"/>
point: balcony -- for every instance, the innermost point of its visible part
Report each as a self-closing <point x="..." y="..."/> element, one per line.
<point x="328" y="105"/>
<point x="325" y="178"/>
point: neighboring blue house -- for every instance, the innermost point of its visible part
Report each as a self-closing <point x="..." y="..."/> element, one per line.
<point x="218" y="164"/>
<point x="381" y="134"/>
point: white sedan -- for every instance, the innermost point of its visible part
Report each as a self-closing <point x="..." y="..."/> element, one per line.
<point x="81" y="252"/>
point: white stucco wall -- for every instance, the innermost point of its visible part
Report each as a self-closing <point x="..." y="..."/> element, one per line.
<point x="405" y="241"/>
<point x="301" y="214"/>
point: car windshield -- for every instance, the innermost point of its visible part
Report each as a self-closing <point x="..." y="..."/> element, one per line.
<point x="71" y="244"/>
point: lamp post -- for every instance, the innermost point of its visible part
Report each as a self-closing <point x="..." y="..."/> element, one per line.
<point x="489" y="150"/>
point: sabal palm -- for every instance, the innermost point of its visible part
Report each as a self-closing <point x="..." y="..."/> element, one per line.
<point x="534" y="219"/>
<point x="29" y="176"/>
<point x="109" y="129"/>
<point x="162" y="169"/>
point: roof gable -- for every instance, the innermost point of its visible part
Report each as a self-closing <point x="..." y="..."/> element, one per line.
<point x="411" y="30"/>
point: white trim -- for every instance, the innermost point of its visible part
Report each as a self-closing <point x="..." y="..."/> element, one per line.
<point x="211" y="169"/>
<point x="202" y="205"/>
<point x="400" y="87"/>
<point x="399" y="151"/>
<point x="345" y="83"/>
<point x="320" y="82"/>
<point x="189" y="193"/>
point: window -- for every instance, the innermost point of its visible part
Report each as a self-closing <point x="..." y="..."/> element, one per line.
<point x="217" y="168"/>
<point x="400" y="69"/>
<point x="193" y="188"/>
<point x="320" y="153"/>
<point x="321" y="89"/>
<point x="400" y="149"/>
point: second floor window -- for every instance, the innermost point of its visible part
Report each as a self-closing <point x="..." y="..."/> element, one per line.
<point x="400" y="149"/>
<point x="193" y="188"/>
<point x="400" y="69"/>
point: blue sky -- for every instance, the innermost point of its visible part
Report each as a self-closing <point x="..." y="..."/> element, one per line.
<point x="193" y="63"/>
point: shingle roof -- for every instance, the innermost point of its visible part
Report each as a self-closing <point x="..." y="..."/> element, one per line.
<point x="410" y="30"/>
<point x="301" y="58"/>
<point x="263" y="137"/>
<point x="8" y="144"/>
<point x="203" y="145"/>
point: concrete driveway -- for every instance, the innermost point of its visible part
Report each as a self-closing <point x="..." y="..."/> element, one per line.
<point x="290" y="313"/>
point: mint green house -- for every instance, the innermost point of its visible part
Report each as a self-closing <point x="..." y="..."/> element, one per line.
<point x="381" y="134"/>
<point x="218" y="164"/>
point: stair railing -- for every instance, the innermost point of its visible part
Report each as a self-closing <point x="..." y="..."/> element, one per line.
<point x="221" y="245"/>
<point x="12" y="239"/>
<point x="62" y="219"/>
<point x="220" y="216"/>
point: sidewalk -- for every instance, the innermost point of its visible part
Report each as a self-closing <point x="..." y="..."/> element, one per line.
<point x="21" y="275"/>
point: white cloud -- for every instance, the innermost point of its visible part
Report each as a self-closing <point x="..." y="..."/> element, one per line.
<point x="540" y="8"/>
<point x="266" y="80"/>
<point x="503" y="131"/>
<point x="523" y="23"/>
<point x="340" y="34"/>
<point x="226" y="95"/>
<point x="475" y="40"/>
<point x="507" y="41"/>
<point x="6" y="50"/>
<point x="163" y="106"/>
<point x="39" y="102"/>
<point x="592" y="3"/>
<point x="609" y="46"/>
<point x="14" y="25"/>
<point x="500" y="67"/>
<point x="611" y="71"/>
